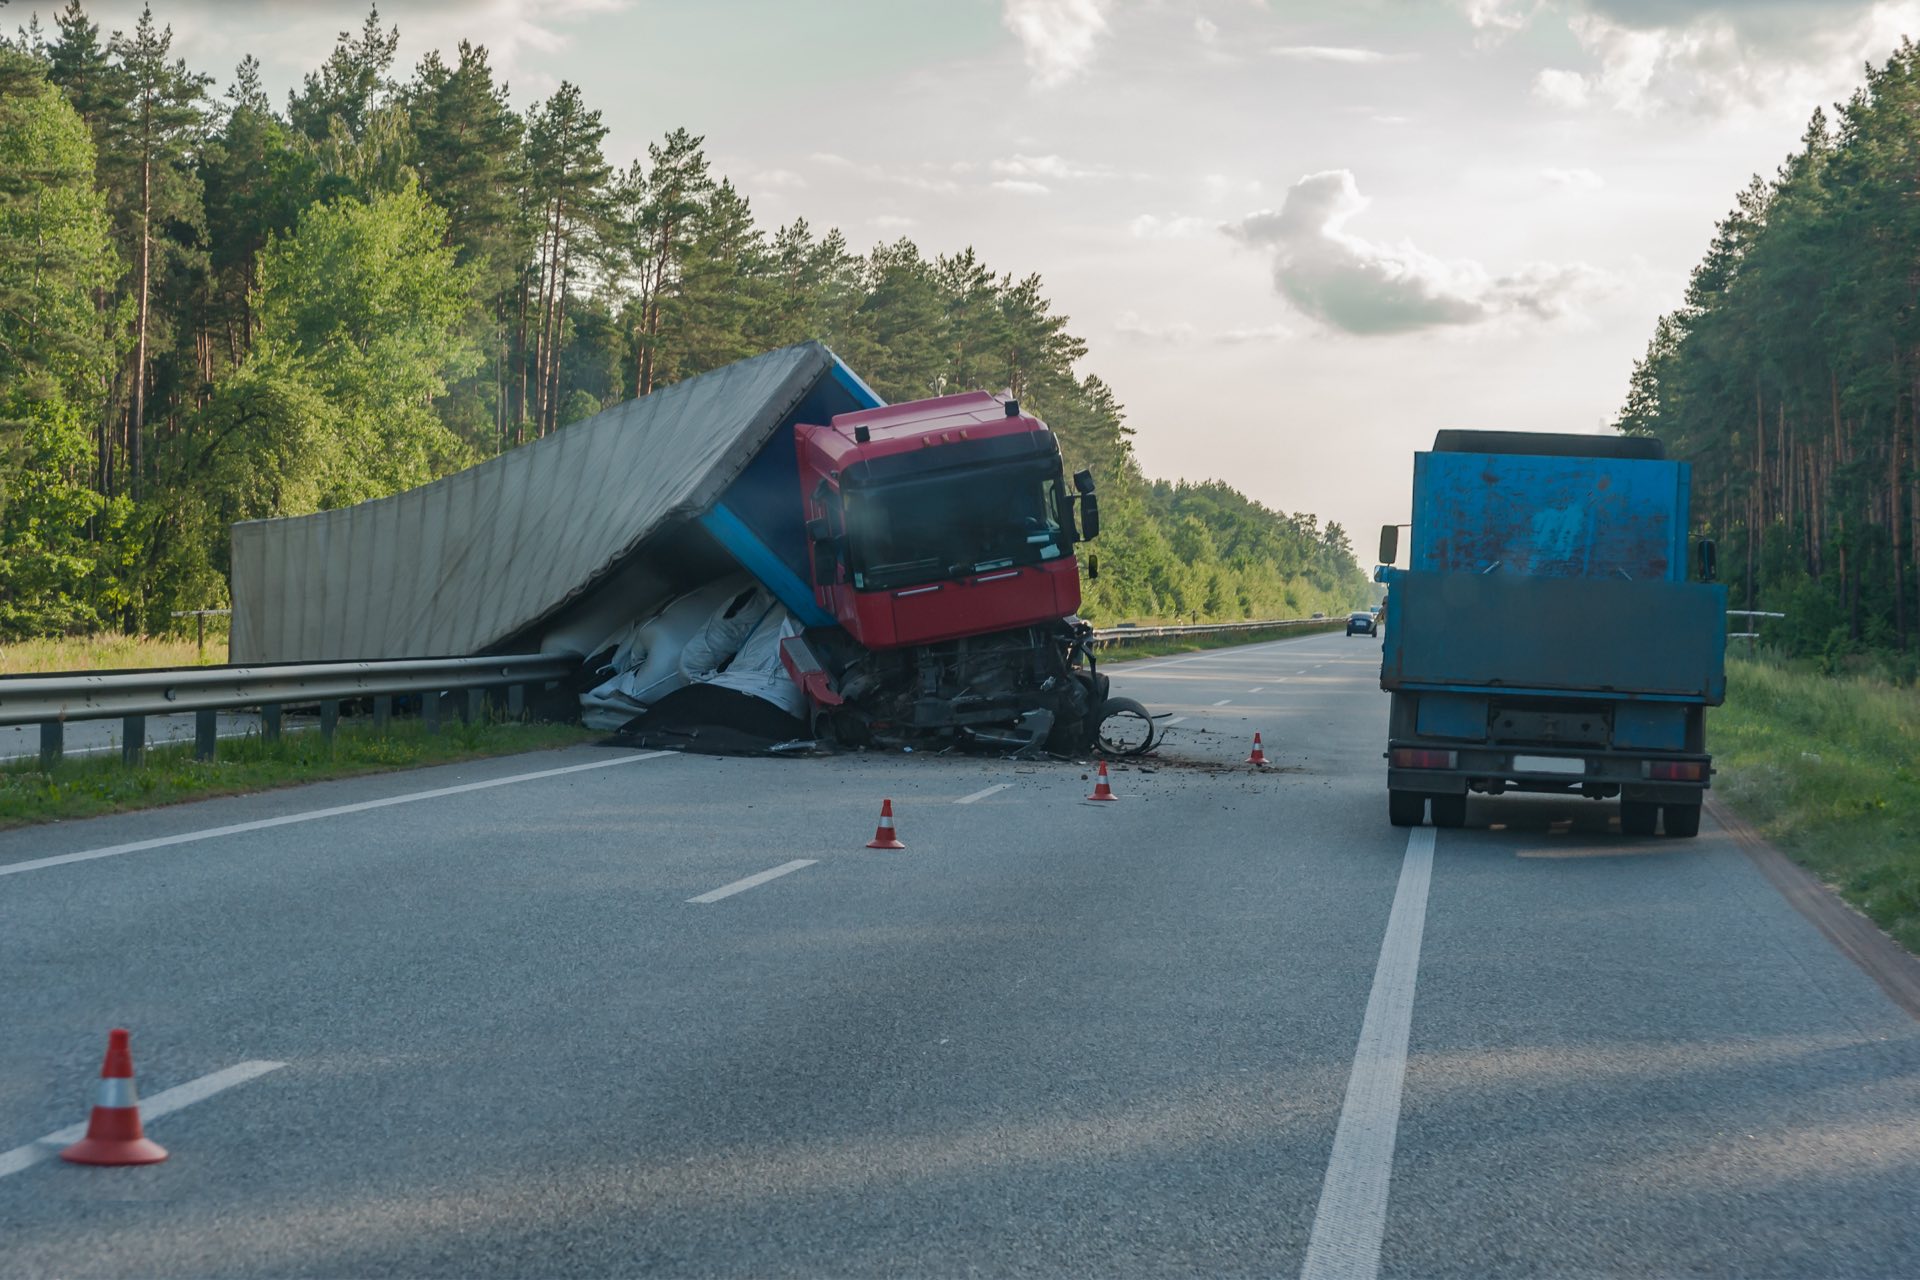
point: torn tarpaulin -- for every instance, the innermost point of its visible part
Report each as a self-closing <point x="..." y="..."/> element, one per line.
<point x="712" y="720"/>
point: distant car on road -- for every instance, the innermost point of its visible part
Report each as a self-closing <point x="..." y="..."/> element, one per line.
<point x="1362" y="623"/>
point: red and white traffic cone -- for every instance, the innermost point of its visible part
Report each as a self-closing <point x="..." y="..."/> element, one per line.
<point x="114" y="1135"/>
<point x="1259" y="755"/>
<point x="1101" y="791"/>
<point x="884" y="837"/>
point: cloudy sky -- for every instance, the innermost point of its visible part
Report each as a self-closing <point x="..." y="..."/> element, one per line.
<point x="1298" y="237"/>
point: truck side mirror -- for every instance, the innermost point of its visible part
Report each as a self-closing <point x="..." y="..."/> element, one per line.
<point x="1093" y="568"/>
<point x="1089" y="516"/>
<point x="1083" y="482"/>
<point x="1709" y="567"/>
<point x="819" y="530"/>
<point x="1389" y="543"/>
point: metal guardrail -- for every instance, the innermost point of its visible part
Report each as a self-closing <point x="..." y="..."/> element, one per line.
<point x="51" y="701"/>
<point x="131" y="696"/>
<point x="1107" y="636"/>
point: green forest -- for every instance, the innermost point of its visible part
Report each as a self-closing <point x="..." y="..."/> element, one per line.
<point x="1790" y="378"/>
<point x="213" y="308"/>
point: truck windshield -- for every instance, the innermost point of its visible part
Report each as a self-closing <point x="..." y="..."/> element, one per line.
<point x="953" y="525"/>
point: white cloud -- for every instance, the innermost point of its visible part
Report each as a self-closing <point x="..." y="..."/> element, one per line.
<point x="1131" y="325"/>
<point x="880" y="174"/>
<point x="1024" y="166"/>
<point x="1058" y="37"/>
<point x="1021" y="187"/>
<point x="1709" y="57"/>
<point x="1368" y="288"/>
<point x="1574" y="179"/>
<point x="890" y="222"/>
<point x="1334" y="53"/>
<point x="1219" y="186"/>
<point x="778" y="179"/>
<point x="1205" y="28"/>
<point x="1178" y="227"/>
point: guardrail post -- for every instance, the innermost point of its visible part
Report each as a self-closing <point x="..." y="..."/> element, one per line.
<point x="329" y="718"/>
<point x="270" y="722"/>
<point x="430" y="710"/>
<point x="382" y="712"/>
<point x="53" y="743"/>
<point x="206" y="734"/>
<point x="133" y="739"/>
<point x="474" y="706"/>
<point x="516" y="701"/>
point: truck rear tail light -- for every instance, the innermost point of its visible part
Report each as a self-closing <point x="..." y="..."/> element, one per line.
<point x="1417" y="758"/>
<point x="1676" y="771"/>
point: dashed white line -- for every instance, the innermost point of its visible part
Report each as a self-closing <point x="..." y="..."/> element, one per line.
<point x="1223" y="702"/>
<point x="741" y="886"/>
<point x="1352" y="1218"/>
<point x="1257" y="688"/>
<point x="163" y="1103"/>
<point x="1171" y="721"/>
<point x="313" y="815"/>
<point x="982" y="795"/>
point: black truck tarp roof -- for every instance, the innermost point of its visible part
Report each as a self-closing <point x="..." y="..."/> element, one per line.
<point x="1550" y="444"/>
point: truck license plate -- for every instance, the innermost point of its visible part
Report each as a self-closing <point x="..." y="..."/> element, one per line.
<point x="1548" y="764"/>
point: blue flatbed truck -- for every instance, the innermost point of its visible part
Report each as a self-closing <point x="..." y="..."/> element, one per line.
<point x="1544" y="636"/>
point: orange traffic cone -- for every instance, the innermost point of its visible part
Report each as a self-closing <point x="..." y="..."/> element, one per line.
<point x="1101" y="791"/>
<point x="884" y="837"/>
<point x="114" y="1135"/>
<point x="1259" y="755"/>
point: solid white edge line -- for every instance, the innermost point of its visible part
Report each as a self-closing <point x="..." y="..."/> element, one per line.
<point x="1122" y="665"/>
<point x="151" y="1109"/>
<point x="313" y="815"/>
<point x="1351" y="1221"/>
<point x="759" y="878"/>
<point x="982" y="795"/>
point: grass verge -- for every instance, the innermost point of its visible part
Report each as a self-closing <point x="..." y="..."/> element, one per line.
<point x="1824" y="766"/>
<point x="111" y="652"/>
<point x="87" y="786"/>
<point x="1165" y="647"/>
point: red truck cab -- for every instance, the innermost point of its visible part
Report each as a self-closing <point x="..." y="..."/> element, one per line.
<point x="938" y="519"/>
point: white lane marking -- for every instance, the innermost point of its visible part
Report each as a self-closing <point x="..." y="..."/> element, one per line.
<point x="1223" y="702"/>
<point x="982" y="795"/>
<point x="1352" y="1218"/>
<point x="1257" y="688"/>
<point x="1171" y="721"/>
<point x="163" y="1103"/>
<point x="741" y="886"/>
<point x="1302" y="671"/>
<point x="312" y="815"/>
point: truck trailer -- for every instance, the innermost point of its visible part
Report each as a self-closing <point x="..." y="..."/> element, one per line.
<point x="1544" y="636"/>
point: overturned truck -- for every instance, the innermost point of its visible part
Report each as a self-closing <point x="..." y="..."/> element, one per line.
<point x="768" y="545"/>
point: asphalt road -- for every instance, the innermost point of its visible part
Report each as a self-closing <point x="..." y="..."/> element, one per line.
<point x="1050" y="1037"/>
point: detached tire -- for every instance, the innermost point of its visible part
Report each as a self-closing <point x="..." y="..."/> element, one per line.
<point x="1406" y="808"/>
<point x="1122" y="727"/>
<point x="1682" y="820"/>
<point x="1450" y="811"/>
<point x="1637" y="817"/>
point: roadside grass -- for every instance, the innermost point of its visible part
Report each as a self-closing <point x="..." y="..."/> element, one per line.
<point x="84" y="787"/>
<point x="1825" y="767"/>
<point x="110" y="651"/>
<point x="1171" y="645"/>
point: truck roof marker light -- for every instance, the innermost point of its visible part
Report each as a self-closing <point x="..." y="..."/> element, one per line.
<point x="861" y="434"/>
<point x="1013" y="408"/>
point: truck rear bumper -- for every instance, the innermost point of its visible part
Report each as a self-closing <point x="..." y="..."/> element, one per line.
<point x="1453" y="770"/>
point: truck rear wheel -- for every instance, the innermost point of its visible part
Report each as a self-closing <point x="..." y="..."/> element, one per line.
<point x="1406" y="808"/>
<point x="1637" y="817"/>
<point x="1450" y="811"/>
<point x="1682" y="819"/>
